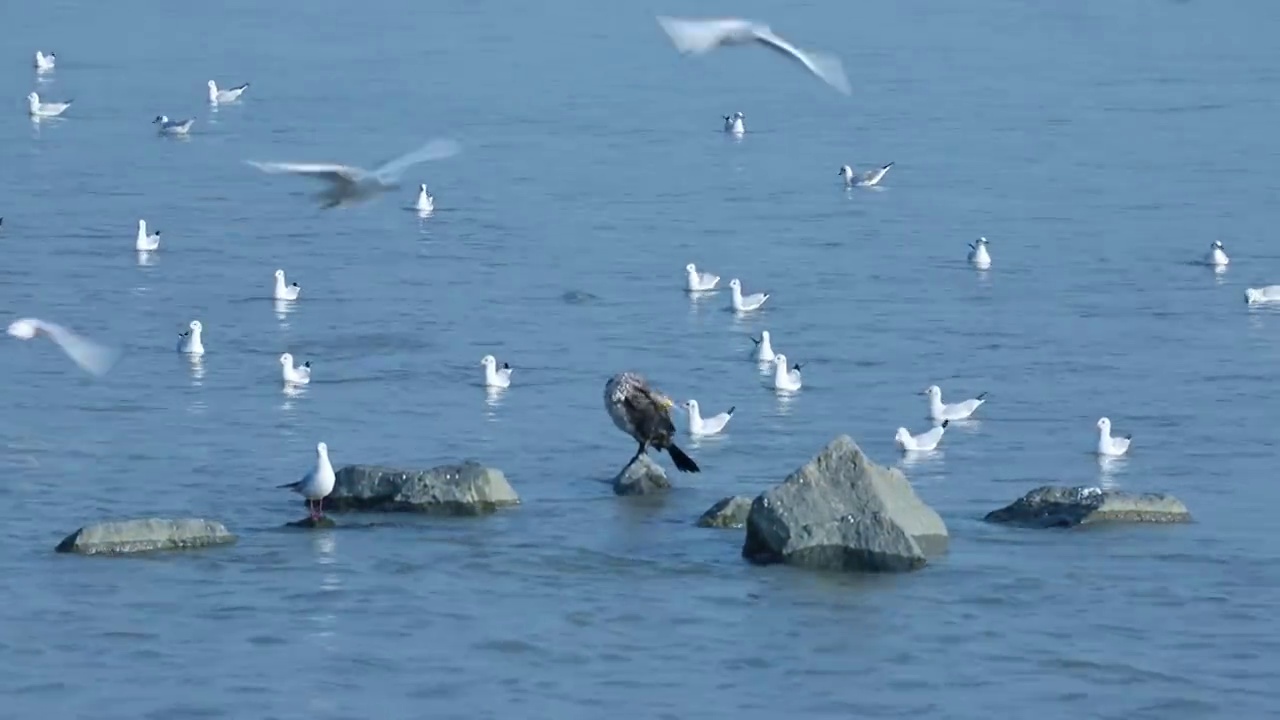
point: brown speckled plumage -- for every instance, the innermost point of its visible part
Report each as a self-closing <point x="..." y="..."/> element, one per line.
<point x="645" y="414"/>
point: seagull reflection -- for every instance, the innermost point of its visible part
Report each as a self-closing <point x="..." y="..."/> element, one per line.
<point x="493" y="398"/>
<point x="197" y="369"/>
<point x="283" y="308"/>
<point x="146" y="258"/>
<point x="1109" y="469"/>
<point x="786" y="398"/>
<point x="914" y="458"/>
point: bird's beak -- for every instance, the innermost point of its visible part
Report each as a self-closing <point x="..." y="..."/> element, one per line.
<point x="668" y="403"/>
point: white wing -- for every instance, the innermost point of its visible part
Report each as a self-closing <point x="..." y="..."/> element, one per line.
<point x="827" y="67"/>
<point x="435" y="150"/>
<point x="929" y="439"/>
<point x="92" y="357"/>
<point x="336" y="174"/>
<point x="700" y="36"/>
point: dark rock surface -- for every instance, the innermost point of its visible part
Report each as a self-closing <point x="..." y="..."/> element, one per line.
<point x="310" y="523"/>
<point x="1056" y="506"/>
<point x="840" y="511"/>
<point x="731" y="512"/>
<point x="466" y="489"/>
<point x="642" y="477"/>
<point x="121" y="537"/>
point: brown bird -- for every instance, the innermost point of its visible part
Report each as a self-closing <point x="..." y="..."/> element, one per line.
<point x="644" y="414"/>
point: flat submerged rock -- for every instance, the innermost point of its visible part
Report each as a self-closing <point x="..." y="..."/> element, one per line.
<point x="121" y="537"/>
<point x="1057" y="506"/>
<point x="468" y="488"/>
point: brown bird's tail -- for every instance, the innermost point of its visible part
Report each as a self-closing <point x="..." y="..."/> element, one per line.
<point x="683" y="462"/>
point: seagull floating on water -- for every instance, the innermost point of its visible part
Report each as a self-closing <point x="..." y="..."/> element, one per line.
<point x="645" y="415"/>
<point x="173" y="127"/>
<point x="90" y="356"/>
<point x="978" y="254"/>
<point x="225" y="96"/>
<point x="697" y="36"/>
<point x="146" y="242"/>
<point x="189" y="342"/>
<point x="764" y="349"/>
<point x="45" y="62"/>
<point x="733" y="123"/>
<point x="699" y="281"/>
<point x="426" y="204"/>
<point x="699" y="425"/>
<point x="1108" y="445"/>
<point x="1217" y="255"/>
<point x="299" y="375"/>
<point x="45" y="109"/>
<point x="316" y="485"/>
<point x="784" y="378"/>
<point x="925" y="441"/>
<point x="494" y="376"/>
<point x="283" y="291"/>
<point x="939" y="411"/>
<point x="744" y="303"/>
<point x="1262" y="295"/>
<point x="348" y="184"/>
<point x="870" y="178"/>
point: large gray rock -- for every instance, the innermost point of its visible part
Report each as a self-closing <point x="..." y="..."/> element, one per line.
<point x="641" y="477"/>
<point x="730" y="512"/>
<point x="1054" y="506"/>
<point x="466" y="489"/>
<point x="145" y="535"/>
<point x="840" y="511"/>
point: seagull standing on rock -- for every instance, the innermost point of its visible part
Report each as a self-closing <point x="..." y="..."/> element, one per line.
<point x="316" y="485"/>
<point x="644" y="414"/>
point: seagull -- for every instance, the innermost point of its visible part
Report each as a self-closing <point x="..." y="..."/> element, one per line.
<point x="173" y="127"/>
<point x="300" y="375"/>
<point x="699" y="425"/>
<point x="1217" y="255"/>
<point x="146" y="242"/>
<point x="349" y="184"/>
<point x="784" y="379"/>
<point x="1258" y="296"/>
<point x="978" y="254"/>
<point x="699" y="281"/>
<point x="764" y="349"/>
<point x="870" y="178"/>
<point x="283" y="291"/>
<point x="698" y="36"/>
<point x="733" y="123"/>
<point x="924" y="441"/>
<point x="426" y="204"/>
<point x="189" y="341"/>
<point x="45" y="62"/>
<point x="1108" y="445"/>
<point x="741" y="303"/>
<point x="316" y="485"/>
<point x="956" y="411"/>
<point x="90" y="356"/>
<point x="644" y="414"/>
<point x="494" y="376"/>
<point x="45" y="109"/>
<point x="229" y="95"/>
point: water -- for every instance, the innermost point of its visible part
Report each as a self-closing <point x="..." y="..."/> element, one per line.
<point x="1100" y="146"/>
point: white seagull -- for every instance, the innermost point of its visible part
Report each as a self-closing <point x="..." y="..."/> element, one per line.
<point x="764" y="348"/>
<point x="300" y="375"/>
<point x="225" y="96"/>
<point x="978" y="254"/>
<point x="1262" y="295"/>
<point x="349" y="184"/>
<point x="697" y="36"/>
<point x="939" y="411"/>
<point x="316" y="485"/>
<point x="745" y="303"/>
<point x="925" y="441"/>
<point x="699" y="425"/>
<point x="699" y="281"/>
<point x="426" y="204"/>
<point x="90" y="356"/>
<point x="173" y="127"/>
<point x="283" y="291"/>
<point x="1217" y="255"/>
<point x="1111" y="446"/>
<point x="494" y="376"/>
<point x="146" y="242"/>
<point x="45" y="109"/>
<point x="784" y="379"/>
<point x="189" y="342"/>
<point x="733" y="123"/>
<point x="870" y="178"/>
<point x="45" y="62"/>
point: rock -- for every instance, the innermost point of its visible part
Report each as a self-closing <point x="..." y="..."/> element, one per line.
<point x="310" y="523"/>
<point x="641" y="476"/>
<point x="1057" y="506"/>
<point x="145" y="535"/>
<point x="730" y="512"/>
<point x="466" y="489"/>
<point x="840" y="511"/>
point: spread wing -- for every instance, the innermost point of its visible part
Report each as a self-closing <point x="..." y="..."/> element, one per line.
<point x="342" y="175"/>
<point x="700" y="36"/>
<point x="827" y="67"/>
<point x="90" y="356"/>
<point x="438" y="149"/>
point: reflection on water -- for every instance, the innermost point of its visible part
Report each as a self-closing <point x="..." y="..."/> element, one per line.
<point x="283" y="308"/>
<point x="697" y="441"/>
<point x="197" y="368"/>
<point x="292" y="393"/>
<point x="493" y="398"/>
<point x="325" y="544"/>
<point x="920" y="458"/>
<point x="1109" y="471"/>
<point x="786" y="398"/>
<point x="146" y="258"/>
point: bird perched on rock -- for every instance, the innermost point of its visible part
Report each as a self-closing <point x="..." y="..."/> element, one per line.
<point x="644" y="414"/>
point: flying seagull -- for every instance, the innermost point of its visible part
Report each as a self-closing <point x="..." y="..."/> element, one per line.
<point x="698" y="36"/>
<point x="90" y="356"/>
<point x="349" y="185"/>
